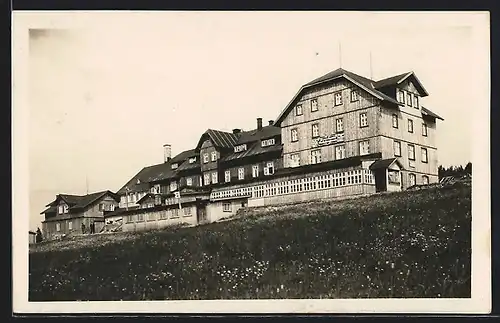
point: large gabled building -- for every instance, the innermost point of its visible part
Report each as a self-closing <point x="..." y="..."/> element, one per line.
<point x="341" y="135"/>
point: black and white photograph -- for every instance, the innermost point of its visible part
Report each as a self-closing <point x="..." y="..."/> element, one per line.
<point x="251" y="162"/>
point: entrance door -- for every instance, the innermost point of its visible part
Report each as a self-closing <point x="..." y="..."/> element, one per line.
<point x="201" y="213"/>
<point x="380" y="180"/>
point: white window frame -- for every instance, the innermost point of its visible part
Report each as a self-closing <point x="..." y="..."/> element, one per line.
<point x="241" y="173"/>
<point x="395" y="121"/>
<point x="60" y="209"/>
<point x="298" y="110"/>
<point x="397" y="148"/>
<point x="425" y="179"/>
<point x="362" y="146"/>
<point x="58" y="227"/>
<point x="227" y="176"/>
<point x="339" y="125"/>
<point x="295" y="162"/>
<point x="206" y="179"/>
<point x="424" y="129"/>
<point x="269" y="166"/>
<point x="415" y="101"/>
<point x="214" y="156"/>
<point x="206" y="158"/>
<point x="314" y="105"/>
<point x="240" y="148"/>
<point x="409" y="99"/>
<point x="189" y="181"/>
<point x="339" y="149"/>
<point x="401" y="96"/>
<point x="192" y="160"/>
<point x="70" y="225"/>
<point x="315" y="130"/>
<point x="255" y="171"/>
<point x="354" y="96"/>
<point x="315" y="156"/>
<point x="268" y="142"/>
<point x="337" y="98"/>
<point x="173" y="186"/>
<point x="411" y="152"/>
<point x="424" y="155"/>
<point x="227" y="207"/>
<point x="410" y="177"/>
<point x="294" y="134"/>
<point x="363" y="119"/>
<point x="174" y="166"/>
<point x="187" y="211"/>
<point x="410" y="125"/>
<point x="215" y="178"/>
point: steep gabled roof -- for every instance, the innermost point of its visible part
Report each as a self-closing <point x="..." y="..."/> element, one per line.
<point x="363" y="82"/>
<point x="220" y="139"/>
<point x="139" y="182"/>
<point x="79" y="201"/>
<point x="385" y="163"/>
<point x="398" y="79"/>
<point x="253" y="150"/>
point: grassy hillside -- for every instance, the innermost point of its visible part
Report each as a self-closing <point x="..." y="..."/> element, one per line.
<point x="406" y="244"/>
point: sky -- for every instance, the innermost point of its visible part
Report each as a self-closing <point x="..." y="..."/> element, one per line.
<point x="106" y="94"/>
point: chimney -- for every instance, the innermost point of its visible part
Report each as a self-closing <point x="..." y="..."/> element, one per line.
<point x="271" y="122"/>
<point x="259" y="123"/>
<point x="167" y="152"/>
<point x="236" y="131"/>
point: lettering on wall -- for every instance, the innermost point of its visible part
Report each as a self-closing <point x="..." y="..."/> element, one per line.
<point x="328" y="140"/>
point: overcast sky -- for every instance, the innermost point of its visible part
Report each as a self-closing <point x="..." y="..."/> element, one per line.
<point x="105" y="97"/>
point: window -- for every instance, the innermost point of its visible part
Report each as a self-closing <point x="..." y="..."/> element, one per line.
<point x="363" y="120"/>
<point x="65" y="208"/>
<point x="187" y="211"/>
<point x="397" y="148"/>
<point x="205" y="158"/>
<point x="173" y="186"/>
<point x="424" y="155"/>
<point x="401" y="96"/>
<point x="101" y="207"/>
<point x="315" y="130"/>
<point x="255" y="170"/>
<point x="151" y="217"/>
<point x="412" y="179"/>
<point x="241" y="173"/>
<point x="338" y="98"/>
<point x="415" y="101"/>
<point x="395" y="121"/>
<point x="189" y="181"/>
<point x="192" y="160"/>
<point x="240" y="148"/>
<point x="294" y="160"/>
<point x="295" y="135"/>
<point x="424" y="129"/>
<point x="214" y="155"/>
<point x="174" y="166"/>
<point x="340" y="152"/>
<point x="227" y="176"/>
<point x="163" y="215"/>
<point x="61" y="209"/>
<point x="314" y="105"/>
<point x="425" y="179"/>
<point x="354" y="95"/>
<point x="364" y="147"/>
<point x="175" y="213"/>
<point x="269" y="170"/>
<point x="408" y="99"/>
<point x="411" y="152"/>
<point x="214" y="178"/>
<point x="70" y="225"/>
<point x="206" y="178"/>
<point x="410" y="125"/>
<point x="268" y="142"/>
<point x="393" y="176"/>
<point x="339" y="125"/>
<point x="316" y="156"/>
<point x="58" y="227"/>
<point x="226" y="207"/>
<point x="140" y="217"/>
<point x="298" y="110"/>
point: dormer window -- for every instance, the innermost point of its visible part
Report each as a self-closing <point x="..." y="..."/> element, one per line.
<point x="214" y="156"/>
<point x="173" y="186"/>
<point x="408" y="99"/>
<point x="401" y="96"/>
<point x="138" y="181"/>
<point x="205" y="158"/>
<point x="174" y="166"/>
<point x="240" y="148"/>
<point x="415" y="101"/>
<point x="192" y="160"/>
<point x="267" y="142"/>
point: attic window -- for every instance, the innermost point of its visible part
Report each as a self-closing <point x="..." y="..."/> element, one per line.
<point x="192" y="160"/>
<point x="268" y="142"/>
<point x="298" y="110"/>
<point x="401" y="96"/>
<point x="240" y="148"/>
<point x="174" y="166"/>
<point x="138" y="181"/>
